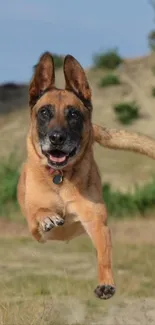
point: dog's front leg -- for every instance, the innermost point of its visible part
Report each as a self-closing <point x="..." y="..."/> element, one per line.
<point x="43" y="212"/>
<point x="93" y="219"/>
<point x="43" y="221"/>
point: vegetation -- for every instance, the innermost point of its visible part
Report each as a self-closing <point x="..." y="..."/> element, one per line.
<point x="66" y="280"/>
<point x="118" y="204"/>
<point x="107" y="60"/>
<point x="109" y="80"/>
<point x="58" y="61"/>
<point x="151" y="35"/>
<point x="140" y="202"/>
<point x="153" y="69"/>
<point x="53" y="284"/>
<point x="151" y="39"/>
<point x="126" y="112"/>
<point x="9" y="173"/>
<point x="153" y="91"/>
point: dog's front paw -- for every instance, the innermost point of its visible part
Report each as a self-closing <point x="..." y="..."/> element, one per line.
<point x="104" y="291"/>
<point x="50" y="222"/>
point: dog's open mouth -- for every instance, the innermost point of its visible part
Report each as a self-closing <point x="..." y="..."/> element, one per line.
<point x="60" y="158"/>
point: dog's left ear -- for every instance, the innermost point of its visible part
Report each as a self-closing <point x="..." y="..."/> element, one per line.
<point x="76" y="80"/>
<point x="44" y="78"/>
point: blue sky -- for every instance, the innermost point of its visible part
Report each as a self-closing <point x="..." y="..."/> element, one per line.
<point x="80" y="28"/>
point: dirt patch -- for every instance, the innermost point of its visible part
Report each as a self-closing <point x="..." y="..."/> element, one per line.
<point x="133" y="231"/>
<point x="12" y="229"/>
<point x="128" y="231"/>
<point x="131" y="312"/>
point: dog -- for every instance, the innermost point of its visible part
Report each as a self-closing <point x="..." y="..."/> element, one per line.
<point x="59" y="189"/>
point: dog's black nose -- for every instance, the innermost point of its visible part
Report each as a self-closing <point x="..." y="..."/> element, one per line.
<point x="57" y="137"/>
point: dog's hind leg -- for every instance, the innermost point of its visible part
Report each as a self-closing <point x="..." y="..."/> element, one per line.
<point x="93" y="219"/>
<point x="100" y="236"/>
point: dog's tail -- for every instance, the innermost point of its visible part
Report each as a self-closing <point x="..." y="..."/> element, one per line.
<point x="124" y="140"/>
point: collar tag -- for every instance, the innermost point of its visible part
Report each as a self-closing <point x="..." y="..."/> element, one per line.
<point x="57" y="179"/>
<point x="57" y="176"/>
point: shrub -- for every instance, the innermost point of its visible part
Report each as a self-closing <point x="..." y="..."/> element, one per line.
<point x="153" y="69"/>
<point x="139" y="202"/>
<point x="151" y="40"/>
<point x="126" y="112"/>
<point x="9" y="174"/>
<point x="153" y="91"/>
<point x="109" y="80"/>
<point x="58" y="61"/>
<point x="107" y="60"/>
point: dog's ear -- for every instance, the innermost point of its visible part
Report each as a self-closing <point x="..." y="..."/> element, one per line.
<point x="43" y="78"/>
<point x="76" y="80"/>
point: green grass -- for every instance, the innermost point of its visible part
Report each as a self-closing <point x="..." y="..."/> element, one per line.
<point x="9" y="174"/>
<point x="153" y="91"/>
<point x="126" y="112"/>
<point x="140" y="201"/>
<point x="109" y="80"/>
<point x="107" y="60"/>
<point x="53" y="284"/>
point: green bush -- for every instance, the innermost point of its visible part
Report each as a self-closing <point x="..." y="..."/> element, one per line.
<point x="130" y="204"/>
<point x="140" y="202"/>
<point x="107" y="60"/>
<point x="126" y="112"/>
<point x="151" y="40"/>
<point x="58" y="61"/>
<point x="9" y="174"/>
<point x="153" y="91"/>
<point x="109" y="80"/>
<point x="153" y="69"/>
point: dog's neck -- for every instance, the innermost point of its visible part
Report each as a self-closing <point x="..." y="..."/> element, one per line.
<point x="56" y="174"/>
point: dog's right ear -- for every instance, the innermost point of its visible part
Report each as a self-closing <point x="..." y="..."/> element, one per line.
<point x="43" y="78"/>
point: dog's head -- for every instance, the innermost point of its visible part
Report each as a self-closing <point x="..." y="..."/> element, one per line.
<point x="60" y="119"/>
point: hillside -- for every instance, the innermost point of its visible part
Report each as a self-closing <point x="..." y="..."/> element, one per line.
<point x="121" y="169"/>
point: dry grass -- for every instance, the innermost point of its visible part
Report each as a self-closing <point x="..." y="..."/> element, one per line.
<point x="52" y="284"/>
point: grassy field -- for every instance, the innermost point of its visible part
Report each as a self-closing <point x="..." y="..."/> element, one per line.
<point x="52" y="284"/>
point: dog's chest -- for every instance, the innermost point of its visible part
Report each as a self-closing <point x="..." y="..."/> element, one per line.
<point x="69" y="196"/>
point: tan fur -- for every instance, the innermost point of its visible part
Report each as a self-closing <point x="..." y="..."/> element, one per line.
<point x="78" y="199"/>
<point x="124" y="140"/>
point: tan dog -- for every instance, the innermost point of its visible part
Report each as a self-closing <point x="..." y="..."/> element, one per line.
<point x="60" y="190"/>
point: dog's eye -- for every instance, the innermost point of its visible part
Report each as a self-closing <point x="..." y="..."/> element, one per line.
<point x="45" y="113"/>
<point x="74" y="114"/>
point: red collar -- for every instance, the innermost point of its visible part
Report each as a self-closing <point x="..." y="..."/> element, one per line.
<point x="51" y="170"/>
<point x="57" y="175"/>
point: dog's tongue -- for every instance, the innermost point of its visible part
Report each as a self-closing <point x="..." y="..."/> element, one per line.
<point x="57" y="159"/>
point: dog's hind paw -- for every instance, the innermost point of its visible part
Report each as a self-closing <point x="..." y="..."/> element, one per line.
<point x="50" y="222"/>
<point x="104" y="291"/>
